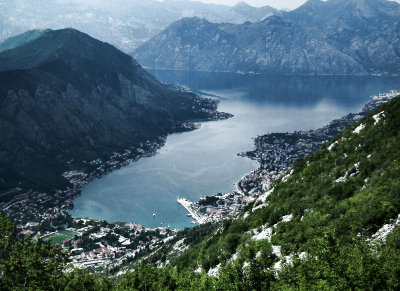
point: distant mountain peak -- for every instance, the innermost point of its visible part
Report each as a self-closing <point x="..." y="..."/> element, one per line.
<point x="242" y="4"/>
<point x="346" y="4"/>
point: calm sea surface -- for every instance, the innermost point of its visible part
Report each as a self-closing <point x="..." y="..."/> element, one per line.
<point x="205" y="161"/>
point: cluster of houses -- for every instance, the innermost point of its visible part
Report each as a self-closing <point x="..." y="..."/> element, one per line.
<point x="277" y="152"/>
<point x="108" y="251"/>
<point x="36" y="206"/>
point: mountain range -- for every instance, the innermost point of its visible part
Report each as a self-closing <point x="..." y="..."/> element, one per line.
<point x="320" y="37"/>
<point x="66" y="97"/>
<point x="123" y="23"/>
<point x="331" y="222"/>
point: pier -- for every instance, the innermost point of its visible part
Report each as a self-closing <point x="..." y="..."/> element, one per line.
<point x="192" y="210"/>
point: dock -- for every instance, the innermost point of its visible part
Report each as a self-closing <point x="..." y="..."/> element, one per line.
<point x="188" y="205"/>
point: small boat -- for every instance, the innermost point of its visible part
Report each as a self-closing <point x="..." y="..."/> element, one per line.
<point x="154" y="215"/>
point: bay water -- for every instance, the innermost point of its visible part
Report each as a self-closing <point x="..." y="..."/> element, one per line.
<point x="204" y="161"/>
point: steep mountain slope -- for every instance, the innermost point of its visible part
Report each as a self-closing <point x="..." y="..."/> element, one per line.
<point x="331" y="222"/>
<point x="320" y="37"/>
<point x="363" y="29"/>
<point x="66" y="97"/>
<point x="273" y="46"/>
<point x="123" y="23"/>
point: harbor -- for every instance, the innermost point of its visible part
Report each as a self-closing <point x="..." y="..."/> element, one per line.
<point x="190" y="207"/>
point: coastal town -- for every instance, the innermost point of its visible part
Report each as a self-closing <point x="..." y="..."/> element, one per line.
<point x="41" y="206"/>
<point x="99" y="244"/>
<point x="27" y="206"/>
<point x="95" y="243"/>
<point x="23" y="205"/>
<point x="91" y="243"/>
<point x="276" y="154"/>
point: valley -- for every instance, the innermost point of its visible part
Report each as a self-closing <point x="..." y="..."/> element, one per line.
<point x="211" y="208"/>
<point x="199" y="145"/>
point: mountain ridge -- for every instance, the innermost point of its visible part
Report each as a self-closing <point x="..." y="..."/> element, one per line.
<point x="123" y="23"/>
<point x="13" y="42"/>
<point x="67" y="96"/>
<point x="330" y="40"/>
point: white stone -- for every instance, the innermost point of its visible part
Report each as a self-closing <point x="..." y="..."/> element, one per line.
<point x="214" y="271"/>
<point x="385" y="230"/>
<point x="262" y="198"/>
<point x="359" y="128"/>
<point x="378" y="117"/>
<point x="276" y="250"/>
<point x="287" y="218"/>
<point x="332" y="145"/>
<point x="264" y="234"/>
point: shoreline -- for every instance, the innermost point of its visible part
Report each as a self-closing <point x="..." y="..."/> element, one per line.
<point x="207" y="209"/>
<point x="289" y="147"/>
<point x="271" y="75"/>
<point x="30" y="208"/>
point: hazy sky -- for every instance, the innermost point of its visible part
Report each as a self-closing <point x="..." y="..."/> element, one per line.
<point x="280" y="4"/>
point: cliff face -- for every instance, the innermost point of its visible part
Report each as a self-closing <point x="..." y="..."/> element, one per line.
<point x="333" y="37"/>
<point x="66" y="96"/>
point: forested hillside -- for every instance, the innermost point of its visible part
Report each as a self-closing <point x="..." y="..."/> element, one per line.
<point x="331" y="223"/>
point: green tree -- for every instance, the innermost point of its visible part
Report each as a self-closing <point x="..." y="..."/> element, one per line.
<point x="32" y="264"/>
<point x="27" y="264"/>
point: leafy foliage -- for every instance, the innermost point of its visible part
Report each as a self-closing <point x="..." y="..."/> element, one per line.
<point x="337" y="199"/>
<point x="32" y="264"/>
